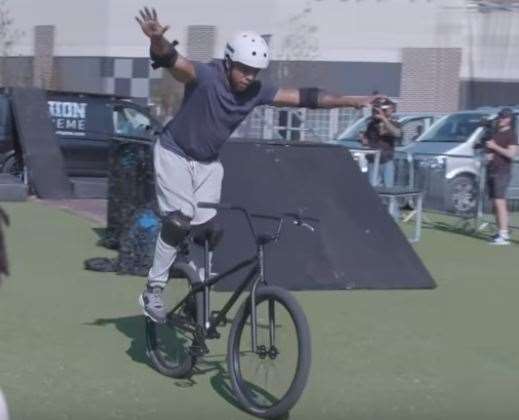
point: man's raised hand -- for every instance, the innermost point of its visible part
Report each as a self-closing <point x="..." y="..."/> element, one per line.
<point x="149" y="23"/>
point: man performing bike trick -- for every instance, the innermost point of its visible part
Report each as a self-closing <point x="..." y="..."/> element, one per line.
<point x="218" y="97"/>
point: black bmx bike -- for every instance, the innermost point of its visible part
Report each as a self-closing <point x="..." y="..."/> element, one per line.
<point x="268" y="349"/>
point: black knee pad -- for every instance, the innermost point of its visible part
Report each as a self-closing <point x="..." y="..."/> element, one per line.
<point x="209" y="231"/>
<point x="175" y="227"/>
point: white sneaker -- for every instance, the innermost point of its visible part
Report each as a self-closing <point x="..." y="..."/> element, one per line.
<point x="500" y="240"/>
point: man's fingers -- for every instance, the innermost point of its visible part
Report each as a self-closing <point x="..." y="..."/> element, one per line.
<point x="148" y="13"/>
<point x="139" y="21"/>
<point x="154" y="13"/>
<point x="143" y="15"/>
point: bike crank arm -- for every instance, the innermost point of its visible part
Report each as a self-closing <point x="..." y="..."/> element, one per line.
<point x="198" y="348"/>
<point x="178" y="321"/>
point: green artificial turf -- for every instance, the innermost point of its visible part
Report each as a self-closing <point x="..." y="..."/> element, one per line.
<point x="72" y="345"/>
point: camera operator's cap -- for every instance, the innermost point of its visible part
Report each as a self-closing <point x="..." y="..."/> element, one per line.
<point x="505" y="113"/>
<point x="383" y="103"/>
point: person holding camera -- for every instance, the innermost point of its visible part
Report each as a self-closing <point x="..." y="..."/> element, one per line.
<point x="501" y="149"/>
<point x="382" y="132"/>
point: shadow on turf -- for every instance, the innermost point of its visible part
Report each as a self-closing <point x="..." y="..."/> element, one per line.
<point x="133" y="328"/>
<point x="214" y="365"/>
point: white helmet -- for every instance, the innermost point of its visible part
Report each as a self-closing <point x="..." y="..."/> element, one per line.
<point x="248" y="48"/>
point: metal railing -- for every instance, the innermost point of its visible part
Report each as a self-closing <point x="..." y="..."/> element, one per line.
<point x="456" y="185"/>
<point x="295" y="124"/>
<point x="452" y="185"/>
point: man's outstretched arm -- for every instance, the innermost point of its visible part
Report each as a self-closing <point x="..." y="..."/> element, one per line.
<point x="316" y="98"/>
<point x="161" y="50"/>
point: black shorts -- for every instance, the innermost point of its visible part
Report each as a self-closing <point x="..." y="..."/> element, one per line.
<point x="497" y="183"/>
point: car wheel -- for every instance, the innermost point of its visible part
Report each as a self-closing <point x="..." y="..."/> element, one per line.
<point x="462" y="195"/>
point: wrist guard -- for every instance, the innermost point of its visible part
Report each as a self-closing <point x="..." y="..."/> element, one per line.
<point x="309" y="97"/>
<point x="165" y="60"/>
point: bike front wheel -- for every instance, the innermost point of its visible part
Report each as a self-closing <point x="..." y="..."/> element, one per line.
<point x="269" y="379"/>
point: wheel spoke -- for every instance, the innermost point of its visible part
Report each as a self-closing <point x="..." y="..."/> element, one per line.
<point x="266" y="376"/>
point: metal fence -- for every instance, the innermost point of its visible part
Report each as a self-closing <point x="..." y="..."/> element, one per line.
<point x="295" y="124"/>
<point x="456" y="185"/>
<point x="453" y="186"/>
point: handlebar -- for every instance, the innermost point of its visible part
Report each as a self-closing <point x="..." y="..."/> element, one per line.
<point x="296" y="218"/>
<point x="216" y="206"/>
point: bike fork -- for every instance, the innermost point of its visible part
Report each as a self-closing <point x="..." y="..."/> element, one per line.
<point x="254" y="316"/>
<point x="271" y="323"/>
<point x="207" y="289"/>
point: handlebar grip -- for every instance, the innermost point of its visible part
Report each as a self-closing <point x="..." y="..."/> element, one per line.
<point x="296" y="216"/>
<point x="220" y="206"/>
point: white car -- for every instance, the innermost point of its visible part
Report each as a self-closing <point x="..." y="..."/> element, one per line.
<point x="447" y="161"/>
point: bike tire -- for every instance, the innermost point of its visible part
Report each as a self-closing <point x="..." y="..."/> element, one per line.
<point x="242" y="387"/>
<point x="176" y="360"/>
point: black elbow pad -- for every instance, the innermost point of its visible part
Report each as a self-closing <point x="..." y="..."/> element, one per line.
<point x="309" y="97"/>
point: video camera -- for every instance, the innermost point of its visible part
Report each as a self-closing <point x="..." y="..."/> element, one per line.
<point x="381" y="104"/>
<point x="489" y="130"/>
<point x="490" y="126"/>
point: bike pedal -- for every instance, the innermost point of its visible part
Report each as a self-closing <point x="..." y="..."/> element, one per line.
<point x="214" y="315"/>
<point x="213" y="334"/>
<point x="198" y="351"/>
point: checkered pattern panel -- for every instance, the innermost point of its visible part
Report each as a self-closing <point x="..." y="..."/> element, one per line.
<point x="128" y="77"/>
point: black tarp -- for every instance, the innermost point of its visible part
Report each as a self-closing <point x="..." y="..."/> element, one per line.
<point x="130" y="186"/>
<point x="357" y="245"/>
<point x="41" y="152"/>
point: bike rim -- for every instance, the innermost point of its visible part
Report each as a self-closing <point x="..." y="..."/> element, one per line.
<point x="266" y="376"/>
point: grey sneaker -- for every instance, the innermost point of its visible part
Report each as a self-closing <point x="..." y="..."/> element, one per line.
<point x="152" y="304"/>
<point x="500" y="240"/>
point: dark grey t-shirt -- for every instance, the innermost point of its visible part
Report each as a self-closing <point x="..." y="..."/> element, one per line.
<point x="210" y="112"/>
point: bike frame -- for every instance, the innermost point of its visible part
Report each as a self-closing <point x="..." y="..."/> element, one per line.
<point x="254" y="277"/>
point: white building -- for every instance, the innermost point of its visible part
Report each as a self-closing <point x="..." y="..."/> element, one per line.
<point x="434" y="55"/>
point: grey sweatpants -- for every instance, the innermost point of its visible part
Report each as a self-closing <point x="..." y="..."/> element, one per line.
<point x="180" y="184"/>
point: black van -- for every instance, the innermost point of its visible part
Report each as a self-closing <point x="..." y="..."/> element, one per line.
<point x="84" y="124"/>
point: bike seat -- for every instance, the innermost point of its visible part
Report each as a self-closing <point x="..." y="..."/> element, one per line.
<point x="211" y="235"/>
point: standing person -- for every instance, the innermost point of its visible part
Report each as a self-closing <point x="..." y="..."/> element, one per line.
<point x="4" y="414"/>
<point x="4" y="271"/>
<point x="382" y="132"/>
<point x="218" y="97"/>
<point x="501" y="148"/>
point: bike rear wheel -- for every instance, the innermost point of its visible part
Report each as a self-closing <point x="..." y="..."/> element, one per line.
<point x="269" y="381"/>
<point x="170" y="345"/>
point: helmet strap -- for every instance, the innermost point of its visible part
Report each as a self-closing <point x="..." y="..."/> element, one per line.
<point x="228" y="67"/>
<point x="227" y="63"/>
